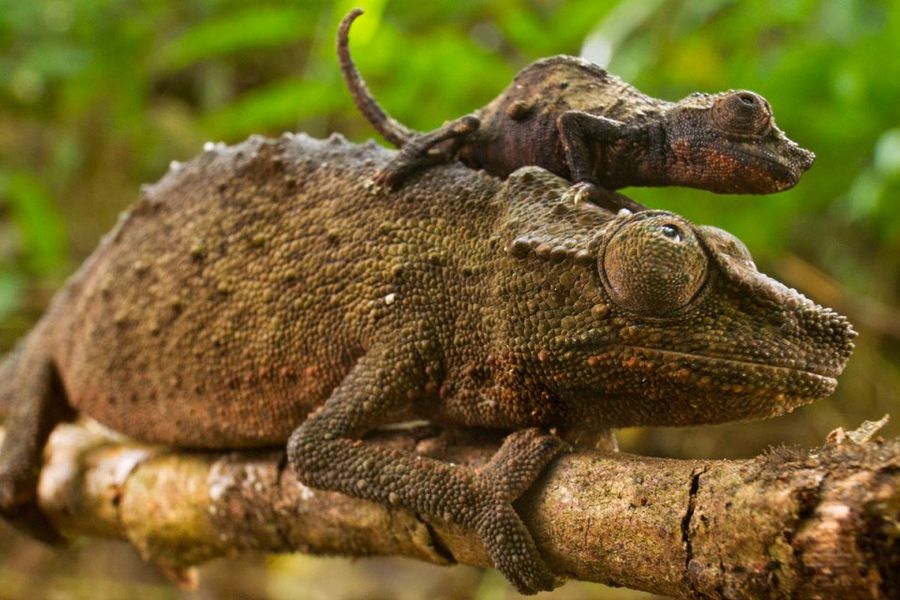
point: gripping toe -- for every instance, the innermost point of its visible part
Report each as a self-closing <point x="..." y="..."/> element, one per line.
<point x="520" y="460"/>
<point x="513" y="551"/>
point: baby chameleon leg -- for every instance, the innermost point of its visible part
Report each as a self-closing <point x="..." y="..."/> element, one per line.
<point x="579" y="132"/>
<point x="326" y="453"/>
<point x="421" y="151"/>
<point x="38" y="406"/>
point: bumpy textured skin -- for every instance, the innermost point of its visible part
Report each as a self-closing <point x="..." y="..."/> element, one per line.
<point x="573" y="118"/>
<point x="250" y="298"/>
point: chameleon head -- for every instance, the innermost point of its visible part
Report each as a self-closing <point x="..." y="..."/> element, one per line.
<point x="696" y="328"/>
<point x="654" y="320"/>
<point x="729" y="143"/>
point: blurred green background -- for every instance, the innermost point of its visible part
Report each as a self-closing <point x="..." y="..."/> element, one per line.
<point x="98" y="96"/>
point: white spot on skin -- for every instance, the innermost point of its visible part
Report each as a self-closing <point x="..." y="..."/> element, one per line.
<point x="209" y="146"/>
<point x="389" y="299"/>
<point x="174" y="165"/>
<point x="624" y="212"/>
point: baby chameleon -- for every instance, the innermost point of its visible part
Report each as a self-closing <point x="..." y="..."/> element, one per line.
<point x="573" y="118"/>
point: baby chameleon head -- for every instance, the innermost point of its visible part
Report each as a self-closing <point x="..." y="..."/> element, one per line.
<point x="729" y="143"/>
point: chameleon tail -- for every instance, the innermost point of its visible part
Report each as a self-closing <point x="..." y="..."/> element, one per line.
<point x="393" y="131"/>
<point x="8" y="367"/>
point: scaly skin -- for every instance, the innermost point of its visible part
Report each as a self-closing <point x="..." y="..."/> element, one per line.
<point x="573" y="118"/>
<point x="249" y="298"/>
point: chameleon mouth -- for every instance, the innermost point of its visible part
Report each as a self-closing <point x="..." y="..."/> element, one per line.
<point x="823" y="371"/>
<point x="786" y="167"/>
<point x="661" y="387"/>
<point x="754" y="168"/>
<point x="690" y="389"/>
<point x="703" y="374"/>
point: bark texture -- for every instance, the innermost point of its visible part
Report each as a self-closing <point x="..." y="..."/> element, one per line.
<point x="823" y="523"/>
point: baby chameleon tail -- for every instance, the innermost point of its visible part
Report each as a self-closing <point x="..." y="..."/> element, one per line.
<point x="420" y="150"/>
<point x="417" y="150"/>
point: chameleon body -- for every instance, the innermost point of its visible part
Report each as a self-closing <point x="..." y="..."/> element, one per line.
<point x="570" y="116"/>
<point x="250" y="298"/>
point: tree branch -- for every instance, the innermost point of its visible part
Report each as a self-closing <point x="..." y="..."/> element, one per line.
<point x="788" y="523"/>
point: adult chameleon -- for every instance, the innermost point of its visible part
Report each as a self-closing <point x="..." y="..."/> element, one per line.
<point x="250" y="298"/>
<point x="570" y="116"/>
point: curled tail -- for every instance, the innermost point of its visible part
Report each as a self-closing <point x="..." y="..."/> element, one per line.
<point x="393" y="131"/>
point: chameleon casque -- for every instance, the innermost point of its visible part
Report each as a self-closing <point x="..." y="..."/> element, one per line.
<point x="259" y="295"/>
<point x="573" y="118"/>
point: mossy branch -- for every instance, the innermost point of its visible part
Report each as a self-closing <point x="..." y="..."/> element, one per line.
<point x="815" y="524"/>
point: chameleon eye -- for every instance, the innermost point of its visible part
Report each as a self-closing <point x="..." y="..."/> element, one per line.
<point x="672" y="232"/>
<point x="747" y="99"/>
<point x="742" y="113"/>
<point x="653" y="266"/>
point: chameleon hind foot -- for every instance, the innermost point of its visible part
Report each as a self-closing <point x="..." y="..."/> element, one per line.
<point x="426" y="150"/>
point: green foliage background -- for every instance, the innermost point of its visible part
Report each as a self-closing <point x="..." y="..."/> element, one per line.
<point x="98" y="96"/>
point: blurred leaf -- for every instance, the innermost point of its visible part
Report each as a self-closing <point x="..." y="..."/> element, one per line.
<point x="272" y="106"/>
<point x="887" y="153"/>
<point x="37" y="219"/>
<point x="251" y="28"/>
<point x="12" y="287"/>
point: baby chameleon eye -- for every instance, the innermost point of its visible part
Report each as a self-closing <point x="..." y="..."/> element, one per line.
<point x="748" y="99"/>
<point x="742" y="113"/>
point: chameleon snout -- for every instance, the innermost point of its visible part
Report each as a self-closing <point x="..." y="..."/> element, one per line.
<point x="796" y="160"/>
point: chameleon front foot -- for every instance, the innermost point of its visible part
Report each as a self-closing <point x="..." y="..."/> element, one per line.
<point x="580" y="192"/>
<point x="513" y="551"/>
<point x="512" y="470"/>
<point x="585" y="191"/>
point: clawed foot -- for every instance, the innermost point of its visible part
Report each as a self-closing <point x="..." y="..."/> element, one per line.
<point x="513" y="551"/>
<point x="512" y="470"/>
<point x="579" y="192"/>
<point x="375" y="185"/>
<point x="424" y="151"/>
<point x="585" y="191"/>
<point x="389" y="178"/>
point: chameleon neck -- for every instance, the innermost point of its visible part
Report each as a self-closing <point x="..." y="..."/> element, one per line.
<point x="640" y="157"/>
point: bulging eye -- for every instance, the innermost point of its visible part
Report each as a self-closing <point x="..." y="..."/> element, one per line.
<point x="742" y="113"/>
<point x="653" y="265"/>
<point x="672" y="232"/>
<point x="747" y="99"/>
